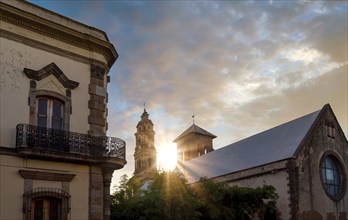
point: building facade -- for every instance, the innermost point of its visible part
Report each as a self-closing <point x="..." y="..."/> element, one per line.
<point x="145" y="151"/>
<point x="56" y="161"/>
<point x="306" y="160"/>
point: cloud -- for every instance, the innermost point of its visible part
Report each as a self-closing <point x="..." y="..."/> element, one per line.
<point x="240" y="66"/>
<point x="239" y="75"/>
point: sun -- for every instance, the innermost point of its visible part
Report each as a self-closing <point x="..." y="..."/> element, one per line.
<point x="166" y="156"/>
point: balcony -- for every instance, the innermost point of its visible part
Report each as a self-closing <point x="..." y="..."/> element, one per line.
<point x="30" y="138"/>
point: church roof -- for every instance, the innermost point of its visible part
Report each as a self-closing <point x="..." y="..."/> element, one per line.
<point x="194" y="129"/>
<point x="276" y="144"/>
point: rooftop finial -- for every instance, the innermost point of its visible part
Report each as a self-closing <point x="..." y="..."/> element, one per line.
<point x="145" y="114"/>
<point x="193" y="118"/>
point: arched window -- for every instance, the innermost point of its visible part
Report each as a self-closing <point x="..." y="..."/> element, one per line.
<point x="333" y="176"/>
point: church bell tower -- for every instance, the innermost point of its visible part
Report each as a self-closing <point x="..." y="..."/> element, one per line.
<point x="145" y="151"/>
<point x="193" y="142"/>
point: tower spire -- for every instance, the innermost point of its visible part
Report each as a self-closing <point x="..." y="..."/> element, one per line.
<point x="145" y="151"/>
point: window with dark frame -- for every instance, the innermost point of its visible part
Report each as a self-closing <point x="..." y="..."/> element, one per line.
<point x="332" y="177"/>
<point x="50" y="113"/>
<point x="46" y="208"/>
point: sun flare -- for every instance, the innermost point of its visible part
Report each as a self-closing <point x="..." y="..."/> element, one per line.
<point x="166" y="156"/>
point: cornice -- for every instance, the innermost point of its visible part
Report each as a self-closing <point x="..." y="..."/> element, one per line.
<point x="39" y="175"/>
<point x="59" y="32"/>
<point x="52" y="49"/>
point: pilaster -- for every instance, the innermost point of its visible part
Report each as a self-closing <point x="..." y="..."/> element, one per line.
<point x="107" y="176"/>
<point x="96" y="193"/>
<point x="97" y="101"/>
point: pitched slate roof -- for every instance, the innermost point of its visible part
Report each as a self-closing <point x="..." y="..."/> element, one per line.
<point x="194" y="129"/>
<point x="275" y="144"/>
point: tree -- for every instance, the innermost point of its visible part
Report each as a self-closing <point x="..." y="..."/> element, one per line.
<point x="169" y="196"/>
<point x="126" y="199"/>
<point x="222" y="201"/>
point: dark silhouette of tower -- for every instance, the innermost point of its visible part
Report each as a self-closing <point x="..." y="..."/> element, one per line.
<point x="145" y="151"/>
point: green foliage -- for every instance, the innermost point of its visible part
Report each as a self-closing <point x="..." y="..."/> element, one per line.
<point x="222" y="201"/>
<point x="169" y="197"/>
<point x="125" y="202"/>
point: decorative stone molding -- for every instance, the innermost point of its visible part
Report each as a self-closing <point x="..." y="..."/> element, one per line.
<point x="49" y="48"/>
<point x="53" y="69"/>
<point x="38" y="175"/>
<point x="57" y="31"/>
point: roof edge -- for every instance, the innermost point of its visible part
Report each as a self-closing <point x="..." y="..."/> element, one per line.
<point x="324" y="109"/>
<point x="266" y="164"/>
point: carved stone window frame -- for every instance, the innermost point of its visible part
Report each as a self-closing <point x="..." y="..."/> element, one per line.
<point x="31" y="193"/>
<point x="35" y="94"/>
<point x="51" y="69"/>
<point x="46" y="193"/>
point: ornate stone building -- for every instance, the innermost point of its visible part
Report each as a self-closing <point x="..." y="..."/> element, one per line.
<point x="56" y="161"/>
<point x="145" y="151"/>
<point x="306" y="160"/>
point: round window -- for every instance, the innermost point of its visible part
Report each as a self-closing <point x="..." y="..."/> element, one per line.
<point x="333" y="176"/>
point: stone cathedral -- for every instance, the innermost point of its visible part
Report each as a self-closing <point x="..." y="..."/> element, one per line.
<point x="145" y="151"/>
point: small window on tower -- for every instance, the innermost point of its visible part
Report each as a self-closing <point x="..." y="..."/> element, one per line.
<point x="330" y="130"/>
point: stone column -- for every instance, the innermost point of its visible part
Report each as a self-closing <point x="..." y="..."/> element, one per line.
<point x="107" y="175"/>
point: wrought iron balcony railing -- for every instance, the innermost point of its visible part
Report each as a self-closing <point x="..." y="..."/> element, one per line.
<point x="70" y="142"/>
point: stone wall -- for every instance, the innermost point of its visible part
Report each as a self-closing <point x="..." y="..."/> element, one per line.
<point x="326" y="138"/>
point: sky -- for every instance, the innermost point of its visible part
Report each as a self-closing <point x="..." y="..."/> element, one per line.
<point x="241" y="67"/>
